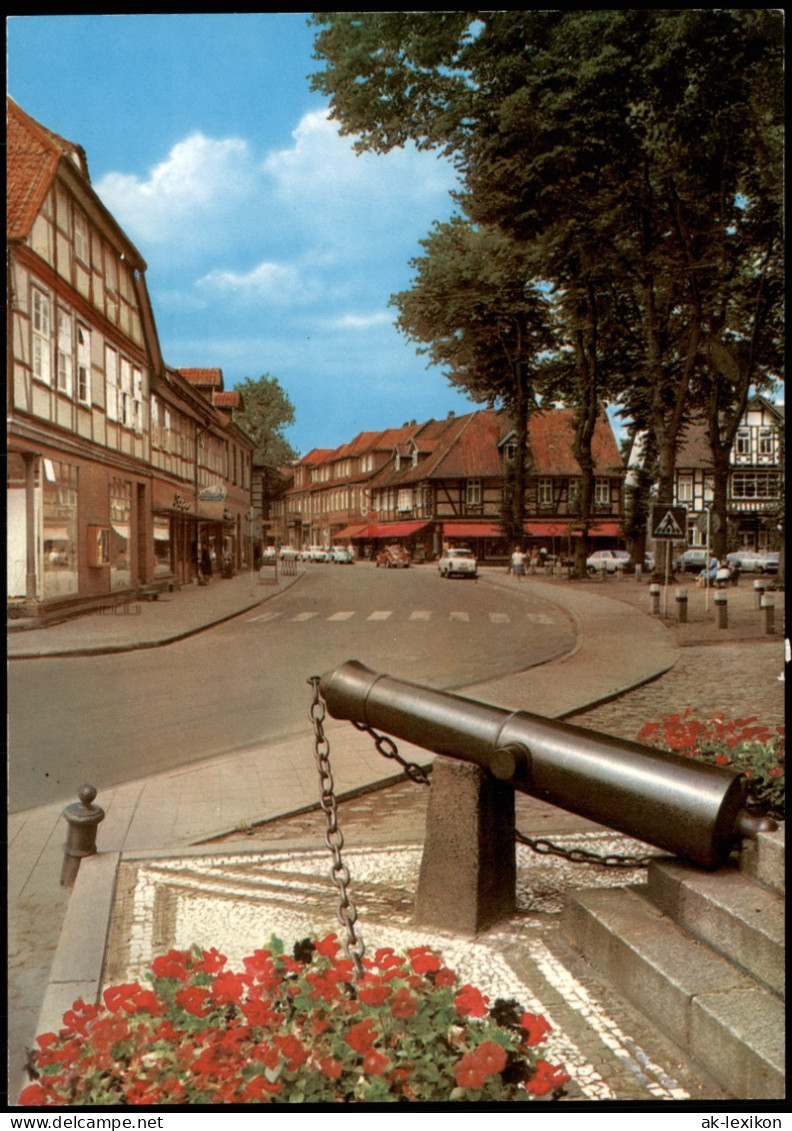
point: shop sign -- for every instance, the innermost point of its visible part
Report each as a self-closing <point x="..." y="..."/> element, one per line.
<point x="180" y="503"/>
<point x="214" y="494"/>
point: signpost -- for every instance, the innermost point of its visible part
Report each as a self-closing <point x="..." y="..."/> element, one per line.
<point x="669" y="525"/>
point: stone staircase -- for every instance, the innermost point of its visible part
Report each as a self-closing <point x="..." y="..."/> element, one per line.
<point x="701" y="954"/>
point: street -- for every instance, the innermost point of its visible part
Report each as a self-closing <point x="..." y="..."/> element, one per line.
<point x="109" y="719"/>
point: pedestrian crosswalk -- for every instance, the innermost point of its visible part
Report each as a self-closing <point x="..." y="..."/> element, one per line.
<point x="414" y="615"/>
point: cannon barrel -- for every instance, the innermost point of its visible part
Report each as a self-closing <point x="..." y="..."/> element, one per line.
<point x="686" y="807"/>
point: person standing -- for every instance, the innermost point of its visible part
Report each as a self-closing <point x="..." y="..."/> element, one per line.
<point x="518" y="563"/>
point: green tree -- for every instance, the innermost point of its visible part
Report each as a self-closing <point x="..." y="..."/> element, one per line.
<point x="266" y="411"/>
<point x="626" y="146"/>
<point x="477" y="314"/>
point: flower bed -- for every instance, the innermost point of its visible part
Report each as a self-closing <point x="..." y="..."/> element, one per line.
<point x="294" y="1029"/>
<point x="743" y="745"/>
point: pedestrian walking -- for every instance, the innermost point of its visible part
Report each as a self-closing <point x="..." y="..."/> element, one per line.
<point x="518" y="563"/>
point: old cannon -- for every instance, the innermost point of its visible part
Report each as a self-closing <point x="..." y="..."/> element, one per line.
<point x="689" y="808"/>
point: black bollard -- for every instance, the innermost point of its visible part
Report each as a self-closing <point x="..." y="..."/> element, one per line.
<point x="682" y="605"/>
<point x="83" y="818"/>
<point x="721" y="607"/>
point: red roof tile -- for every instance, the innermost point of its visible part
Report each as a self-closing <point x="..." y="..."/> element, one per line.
<point x="212" y="378"/>
<point x="32" y="156"/>
<point x="230" y="399"/>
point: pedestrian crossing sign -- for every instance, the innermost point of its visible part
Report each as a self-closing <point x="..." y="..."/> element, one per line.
<point x="669" y="521"/>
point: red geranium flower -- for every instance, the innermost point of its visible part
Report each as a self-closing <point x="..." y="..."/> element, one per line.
<point x="536" y="1028"/>
<point x="546" y="1079"/>
<point x="403" y="1005"/>
<point x="374" y="994"/>
<point x="490" y="1057"/>
<point x="374" y="1063"/>
<point x="468" y="1073"/>
<point x="331" y="1067"/>
<point x="470" y="1002"/>
<point x="361" y="1037"/>
<point x="328" y="947"/>
<point x="171" y="965"/>
<point x="193" y="1000"/>
<point x="423" y="960"/>
<point x="227" y="988"/>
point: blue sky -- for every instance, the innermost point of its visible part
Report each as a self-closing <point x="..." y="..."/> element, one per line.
<point x="271" y="247"/>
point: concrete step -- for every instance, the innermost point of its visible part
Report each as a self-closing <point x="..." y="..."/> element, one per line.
<point x="740" y="919"/>
<point x="764" y="859"/>
<point x="724" y="1020"/>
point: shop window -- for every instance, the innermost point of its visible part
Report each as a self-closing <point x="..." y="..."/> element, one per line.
<point x="59" y="529"/>
<point x="163" y="543"/>
<point x="120" y="534"/>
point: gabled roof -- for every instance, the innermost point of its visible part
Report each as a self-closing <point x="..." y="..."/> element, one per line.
<point x="230" y="399"/>
<point x="551" y="438"/>
<point x="204" y="378"/>
<point x="33" y="154"/>
<point x="693" y="449"/>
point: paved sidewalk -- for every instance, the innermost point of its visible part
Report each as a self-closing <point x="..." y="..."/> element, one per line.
<point x="620" y="645"/>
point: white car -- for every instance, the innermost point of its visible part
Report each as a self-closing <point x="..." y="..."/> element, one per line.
<point x="607" y="561"/>
<point x="316" y="554"/>
<point x="344" y="555"/>
<point x="458" y="561"/>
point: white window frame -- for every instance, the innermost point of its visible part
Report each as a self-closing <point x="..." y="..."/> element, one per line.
<point x="766" y="442"/>
<point x="742" y="442"/>
<point x="685" y="489"/>
<point x="544" y="492"/>
<point x="111" y="383"/>
<point x="65" y="353"/>
<point x="82" y="244"/>
<point x="83" y="364"/>
<point x="41" y="326"/>
<point x="473" y="493"/>
<point x="602" y="493"/>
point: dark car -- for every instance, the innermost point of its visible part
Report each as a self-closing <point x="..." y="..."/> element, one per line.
<point x="393" y="557"/>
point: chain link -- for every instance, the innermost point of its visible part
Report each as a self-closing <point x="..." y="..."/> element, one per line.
<point x="339" y="873"/>
<point x="581" y="855"/>
<point x="388" y="749"/>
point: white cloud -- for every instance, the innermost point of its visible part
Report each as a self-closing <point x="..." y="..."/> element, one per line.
<point x="201" y="180"/>
<point x="360" y="321"/>
<point x="278" y="282"/>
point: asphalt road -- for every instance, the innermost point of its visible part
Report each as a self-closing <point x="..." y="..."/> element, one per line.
<point x="108" y="719"/>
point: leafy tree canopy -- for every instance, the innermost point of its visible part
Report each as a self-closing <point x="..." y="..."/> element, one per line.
<point x="265" y="413"/>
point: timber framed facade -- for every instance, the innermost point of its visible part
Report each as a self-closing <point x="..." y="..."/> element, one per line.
<point x="96" y="490"/>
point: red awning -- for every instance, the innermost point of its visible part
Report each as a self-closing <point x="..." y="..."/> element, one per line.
<point x="547" y="529"/>
<point x="395" y="530"/>
<point x="471" y="530"/>
<point x="352" y="532"/>
<point x="605" y="530"/>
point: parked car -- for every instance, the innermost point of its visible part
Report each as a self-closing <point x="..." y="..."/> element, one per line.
<point x="316" y="554"/>
<point x="344" y="555"/>
<point x="649" y="562"/>
<point x="609" y="561"/>
<point x="458" y="561"/>
<point x="268" y="554"/>
<point x="287" y="552"/>
<point x="691" y="561"/>
<point x="747" y="561"/>
<point x="393" y="557"/>
<point x="770" y="561"/>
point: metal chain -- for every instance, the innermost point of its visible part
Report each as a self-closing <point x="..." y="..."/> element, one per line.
<point x="339" y="873"/>
<point x="388" y="749"/>
<point x="581" y="855"/>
